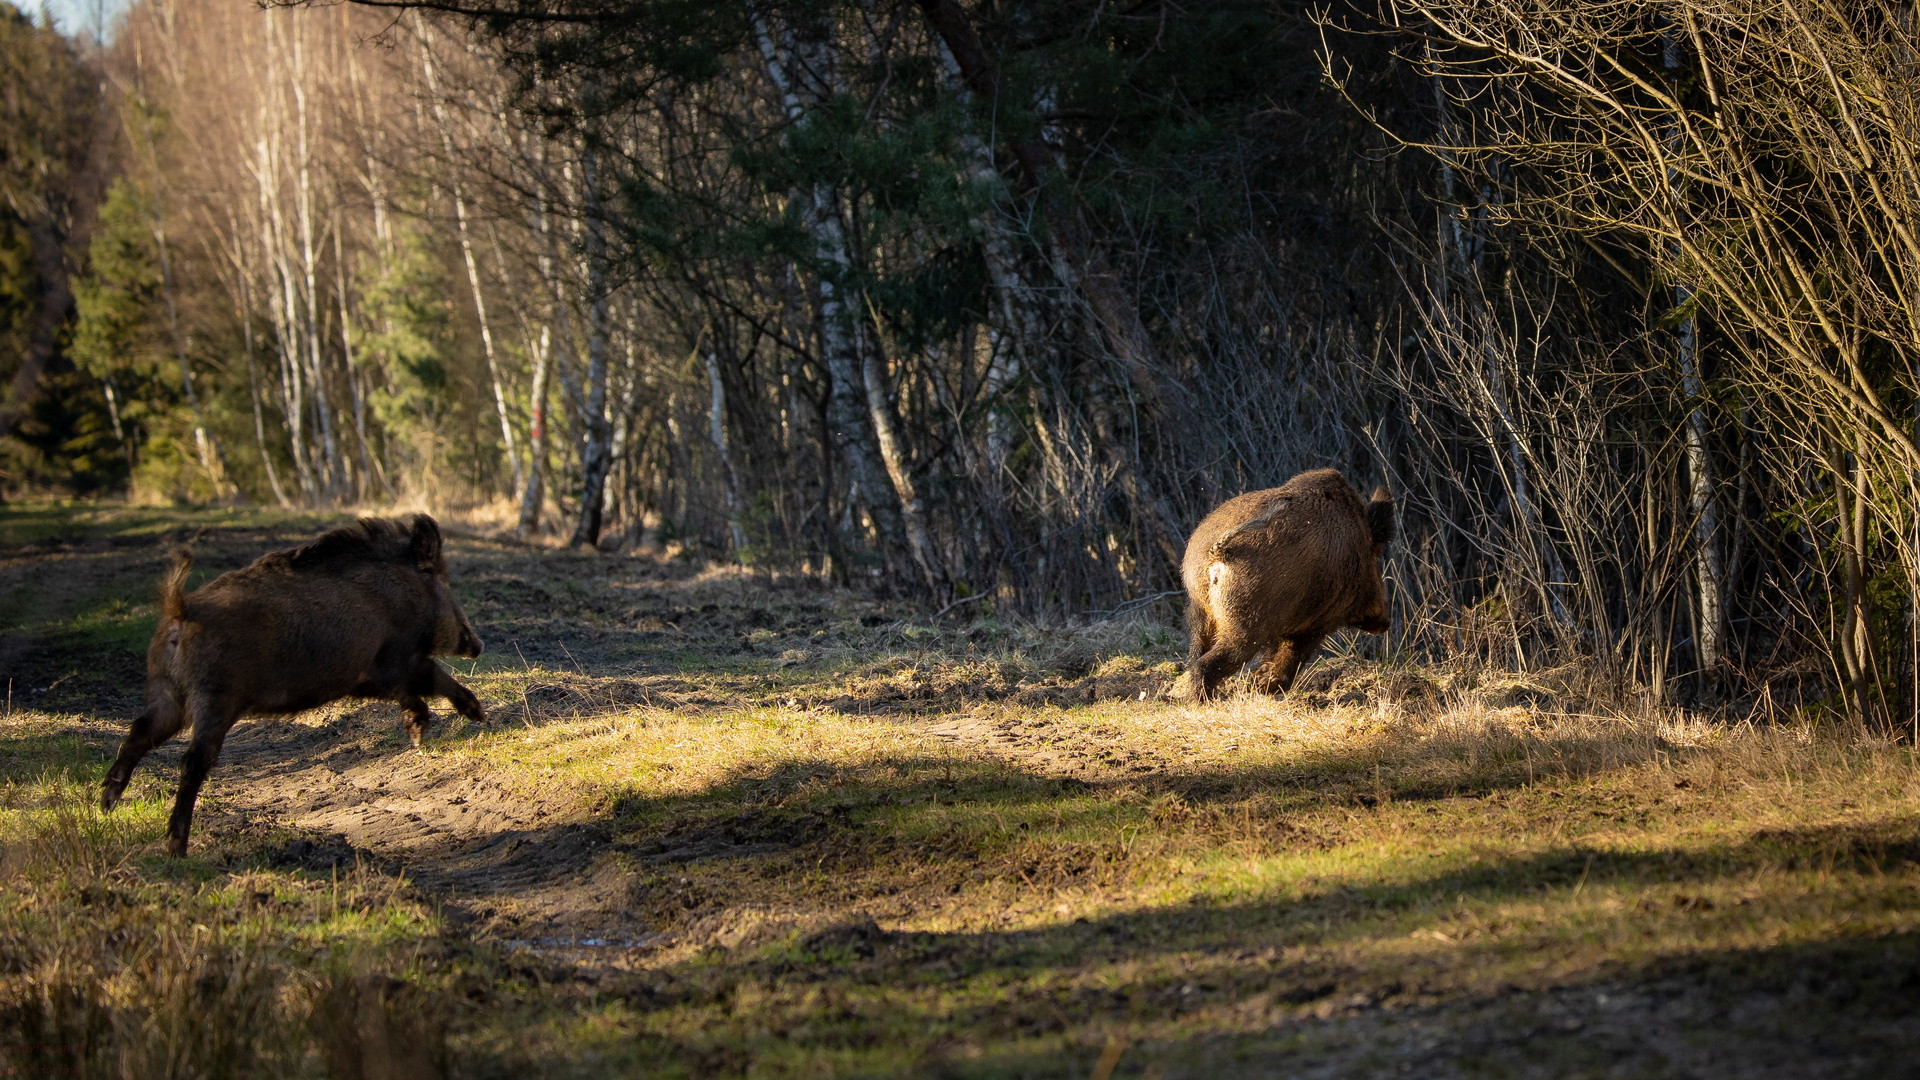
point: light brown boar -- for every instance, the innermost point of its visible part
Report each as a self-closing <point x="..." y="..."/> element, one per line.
<point x="1276" y="571"/>
<point x="358" y="612"/>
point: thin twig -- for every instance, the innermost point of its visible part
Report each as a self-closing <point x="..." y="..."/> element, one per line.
<point x="1139" y="602"/>
<point x="957" y="603"/>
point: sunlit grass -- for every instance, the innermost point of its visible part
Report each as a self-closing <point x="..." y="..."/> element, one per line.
<point x="118" y="958"/>
<point x="860" y="844"/>
<point x="1286" y="863"/>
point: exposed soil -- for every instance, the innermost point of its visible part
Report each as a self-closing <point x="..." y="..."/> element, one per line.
<point x="339" y="785"/>
<point x="542" y="867"/>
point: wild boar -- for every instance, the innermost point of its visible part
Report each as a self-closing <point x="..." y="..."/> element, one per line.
<point x="1276" y="571"/>
<point x="358" y="612"/>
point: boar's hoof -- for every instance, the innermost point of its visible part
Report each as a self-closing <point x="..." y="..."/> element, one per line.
<point x="176" y="846"/>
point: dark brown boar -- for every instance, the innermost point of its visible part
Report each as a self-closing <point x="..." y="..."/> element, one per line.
<point x="1276" y="571"/>
<point x="358" y="612"/>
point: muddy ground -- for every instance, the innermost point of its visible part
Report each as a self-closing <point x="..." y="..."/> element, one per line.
<point x="615" y="893"/>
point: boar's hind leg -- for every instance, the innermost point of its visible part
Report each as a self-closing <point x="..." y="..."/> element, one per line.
<point x="1275" y="676"/>
<point x="154" y="727"/>
<point x="1200" y="625"/>
<point x="211" y="722"/>
<point x="1221" y="661"/>
<point x="419" y="717"/>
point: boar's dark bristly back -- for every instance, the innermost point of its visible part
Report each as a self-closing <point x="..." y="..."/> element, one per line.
<point x="372" y="540"/>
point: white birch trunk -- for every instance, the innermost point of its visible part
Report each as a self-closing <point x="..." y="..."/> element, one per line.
<point x="243" y="299"/>
<point x="717" y="431"/>
<point x="534" y="493"/>
<point x="886" y="429"/>
<point x="466" y="248"/>
<point x="1709" y="575"/>
<point x="848" y="411"/>
<point x="323" y="413"/>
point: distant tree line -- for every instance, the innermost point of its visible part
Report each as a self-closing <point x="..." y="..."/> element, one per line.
<point x="997" y="300"/>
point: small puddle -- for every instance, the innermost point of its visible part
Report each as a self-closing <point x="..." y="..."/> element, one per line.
<point x="557" y="945"/>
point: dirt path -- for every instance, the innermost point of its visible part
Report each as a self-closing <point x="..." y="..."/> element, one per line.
<point x="337" y="785"/>
<point x="830" y="798"/>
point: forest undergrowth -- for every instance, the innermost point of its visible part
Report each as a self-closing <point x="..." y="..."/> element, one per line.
<point x="726" y="822"/>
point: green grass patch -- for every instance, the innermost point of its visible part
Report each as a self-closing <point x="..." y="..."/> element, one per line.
<point x="119" y="624"/>
<point x="39" y="755"/>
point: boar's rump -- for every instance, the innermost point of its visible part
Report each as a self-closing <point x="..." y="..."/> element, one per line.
<point x="1276" y="571"/>
<point x="358" y="612"/>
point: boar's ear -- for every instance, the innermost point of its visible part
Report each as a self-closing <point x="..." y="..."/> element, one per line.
<point x="1380" y="517"/>
<point x="426" y="542"/>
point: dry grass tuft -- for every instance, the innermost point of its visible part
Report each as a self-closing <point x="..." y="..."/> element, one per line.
<point x="726" y="824"/>
<point x="118" y="964"/>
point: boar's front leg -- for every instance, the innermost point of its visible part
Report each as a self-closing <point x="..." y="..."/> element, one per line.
<point x="154" y="727"/>
<point x="211" y="722"/>
<point x="419" y="718"/>
<point x="430" y="680"/>
<point x="458" y="696"/>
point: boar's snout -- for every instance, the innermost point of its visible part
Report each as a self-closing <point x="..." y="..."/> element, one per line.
<point x="455" y="637"/>
<point x="452" y="634"/>
<point x="1373" y="613"/>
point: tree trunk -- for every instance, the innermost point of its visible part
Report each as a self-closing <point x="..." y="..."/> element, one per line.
<point x="253" y="376"/>
<point x="595" y="458"/>
<point x="809" y="52"/>
<point x="322" y="408"/>
<point x="886" y="427"/>
<point x="1709" y="574"/>
<point x="368" y="466"/>
<point x="466" y="250"/>
<point x="535" y="492"/>
<point x="1850" y="513"/>
<point x="212" y="461"/>
<point x="281" y="305"/>
<point x="717" y="431"/>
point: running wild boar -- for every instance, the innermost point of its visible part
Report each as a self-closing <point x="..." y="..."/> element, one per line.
<point x="1276" y="571"/>
<point x="358" y="612"/>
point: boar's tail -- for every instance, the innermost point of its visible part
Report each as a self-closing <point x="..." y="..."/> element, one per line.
<point x="173" y="590"/>
<point x="1380" y="517"/>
